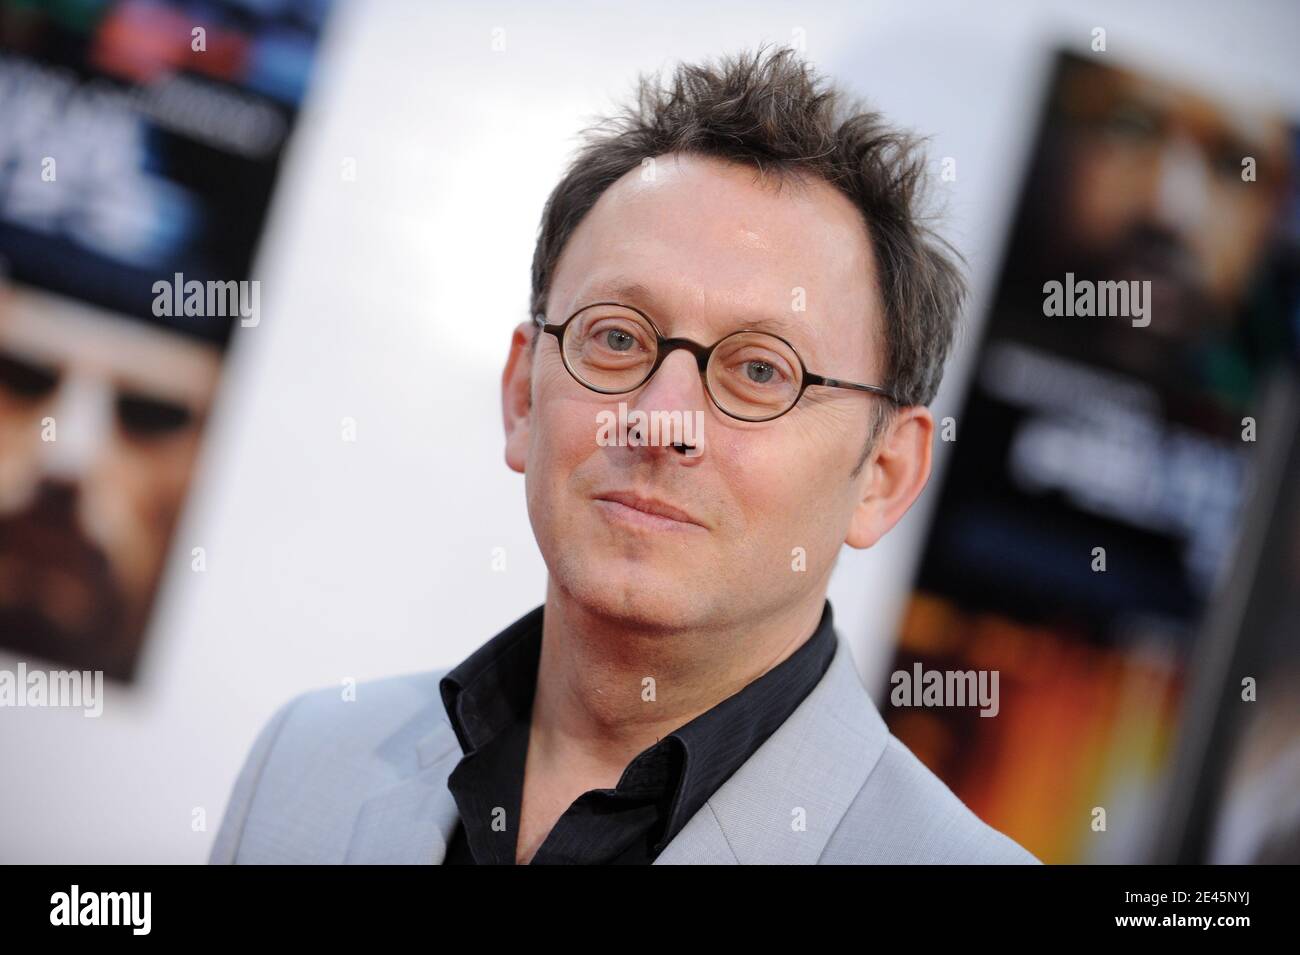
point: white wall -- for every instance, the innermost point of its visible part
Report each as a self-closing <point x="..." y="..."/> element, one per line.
<point x="328" y="559"/>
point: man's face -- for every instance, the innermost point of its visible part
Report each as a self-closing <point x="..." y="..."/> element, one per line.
<point x="713" y="249"/>
<point x="1155" y="192"/>
<point x="85" y="517"/>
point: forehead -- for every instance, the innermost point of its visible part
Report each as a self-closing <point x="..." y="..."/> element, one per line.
<point x="1239" y="128"/>
<point x="706" y="246"/>
<point x="81" y="340"/>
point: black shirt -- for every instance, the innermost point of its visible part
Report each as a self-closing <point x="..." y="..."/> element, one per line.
<point x="489" y="700"/>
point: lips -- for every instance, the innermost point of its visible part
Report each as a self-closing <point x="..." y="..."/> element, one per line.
<point x="650" y="505"/>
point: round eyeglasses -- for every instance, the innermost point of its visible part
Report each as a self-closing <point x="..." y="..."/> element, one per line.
<point x="749" y="375"/>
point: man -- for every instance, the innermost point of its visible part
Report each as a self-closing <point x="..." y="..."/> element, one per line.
<point x="1141" y="181"/>
<point x="101" y="418"/>
<point x="682" y="695"/>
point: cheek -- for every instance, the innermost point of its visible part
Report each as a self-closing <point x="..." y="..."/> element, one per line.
<point x="784" y="482"/>
<point x="787" y="512"/>
<point x="562" y="435"/>
<point x="1109" y="188"/>
<point x="144" y="485"/>
<point x="561" y="457"/>
<point x="562" y="423"/>
<point x="1229" y="250"/>
<point x="19" y="450"/>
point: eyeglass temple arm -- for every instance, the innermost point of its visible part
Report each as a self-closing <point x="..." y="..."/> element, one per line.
<point x="812" y="379"/>
<point x="542" y="326"/>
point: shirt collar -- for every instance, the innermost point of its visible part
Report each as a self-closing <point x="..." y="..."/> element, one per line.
<point x="494" y="687"/>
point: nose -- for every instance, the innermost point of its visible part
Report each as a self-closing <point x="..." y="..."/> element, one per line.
<point x="1182" y="187"/>
<point x="676" y="393"/>
<point x="82" y="418"/>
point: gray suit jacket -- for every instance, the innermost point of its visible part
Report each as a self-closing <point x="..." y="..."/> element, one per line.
<point x="365" y="781"/>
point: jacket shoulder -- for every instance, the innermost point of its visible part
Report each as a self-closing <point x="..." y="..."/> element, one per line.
<point x="315" y="761"/>
<point x="904" y="813"/>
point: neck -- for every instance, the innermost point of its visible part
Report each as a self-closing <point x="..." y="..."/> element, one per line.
<point x="593" y="713"/>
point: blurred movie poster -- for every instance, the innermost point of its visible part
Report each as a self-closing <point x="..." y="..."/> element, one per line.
<point x="140" y="142"/>
<point x="1104" y="457"/>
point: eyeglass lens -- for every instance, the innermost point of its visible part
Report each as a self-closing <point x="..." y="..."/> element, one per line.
<point x="750" y="374"/>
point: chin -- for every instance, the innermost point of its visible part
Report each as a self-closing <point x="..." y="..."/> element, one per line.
<point x="631" y="592"/>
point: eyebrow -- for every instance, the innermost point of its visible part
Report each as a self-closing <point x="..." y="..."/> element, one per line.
<point x="634" y="293"/>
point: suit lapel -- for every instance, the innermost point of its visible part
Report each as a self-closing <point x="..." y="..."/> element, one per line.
<point x="412" y="822"/>
<point x="780" y="806"/>
<point x="784" y="802"/>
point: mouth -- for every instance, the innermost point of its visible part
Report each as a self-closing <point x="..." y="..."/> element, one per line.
<point x="635" y="510"/>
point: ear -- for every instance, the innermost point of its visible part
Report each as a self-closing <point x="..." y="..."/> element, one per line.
<point x="893" y="476"/>
<point x="516" y="395"/>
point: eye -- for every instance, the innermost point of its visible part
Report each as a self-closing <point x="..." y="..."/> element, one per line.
<point x="25" y="379"/>
<point x="1226" y="162"/>
<point x="1131" y="120"/>
<point x="146" y="417"/>
<point x="619" y="340"/>
<point x="763" y="370"/>
<point x="616" y="337"/>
